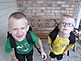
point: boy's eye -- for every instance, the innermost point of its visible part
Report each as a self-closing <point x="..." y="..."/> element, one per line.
<point x="15" y="29"/>
<point x="63" y="23"/>
<point x="23" y="28"/>
<point x="70" y="24"/>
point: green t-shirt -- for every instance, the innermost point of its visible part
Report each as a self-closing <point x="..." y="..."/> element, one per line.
<point x="22" y="47"/>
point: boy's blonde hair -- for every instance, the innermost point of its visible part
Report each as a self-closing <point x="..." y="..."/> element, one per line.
<point x="16" y="15"/>
<point x="67" y="16"/>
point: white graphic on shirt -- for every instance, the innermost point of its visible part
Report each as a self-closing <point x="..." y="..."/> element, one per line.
<point x="23" y="47"/>
<point x="64" y="45"/>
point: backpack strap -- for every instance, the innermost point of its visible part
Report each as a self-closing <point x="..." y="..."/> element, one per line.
<point x="11" y="40"/>
<point x="72" y="38"/>
<point x="54" y="33"/>
<point x="30" y="40"/>
<point x="72" y="41"/>
<point x="29" y="37"/>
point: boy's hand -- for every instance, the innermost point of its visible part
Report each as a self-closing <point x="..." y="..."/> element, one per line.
<point x="49" y="46"/>
<point x="65" y="53"/>
<point x="44" y="56"/>
<point x="14" y="59"/>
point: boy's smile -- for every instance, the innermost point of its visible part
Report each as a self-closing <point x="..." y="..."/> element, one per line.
<point x="20" y="36"/>
<point x="19" y="29"/>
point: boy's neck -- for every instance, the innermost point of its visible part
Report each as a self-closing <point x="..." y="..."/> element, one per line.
<point x="64" y="35"/>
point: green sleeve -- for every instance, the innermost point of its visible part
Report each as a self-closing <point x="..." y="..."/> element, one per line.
<point x="8" y="48"/>
<point x="34" y="37"/>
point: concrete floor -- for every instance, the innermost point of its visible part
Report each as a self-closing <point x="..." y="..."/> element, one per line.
<point x="74" y="56"/>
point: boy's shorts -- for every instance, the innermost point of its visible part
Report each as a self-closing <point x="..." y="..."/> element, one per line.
<point x="59" y="57"/>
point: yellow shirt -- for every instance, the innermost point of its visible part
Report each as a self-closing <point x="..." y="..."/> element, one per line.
<point x="59" y="45"/>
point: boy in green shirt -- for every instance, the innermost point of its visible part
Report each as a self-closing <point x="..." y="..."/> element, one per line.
<point x="18" y="27"/>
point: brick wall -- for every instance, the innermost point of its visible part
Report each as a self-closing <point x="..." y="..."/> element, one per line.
<point x="41" y="12"/>
<point x="48" y="7"/>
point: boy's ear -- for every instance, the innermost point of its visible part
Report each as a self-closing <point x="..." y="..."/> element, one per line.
<point x="59" y="26"/>
<point x="27" y="27"/>
<point x="9" y="30"/>
<point x="72" y="29"/>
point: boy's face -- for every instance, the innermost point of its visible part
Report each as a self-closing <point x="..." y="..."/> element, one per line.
<point x="19" y="28"/>
<point x="67" y="25"/>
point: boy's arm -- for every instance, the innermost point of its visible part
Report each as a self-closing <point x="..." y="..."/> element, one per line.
<point x="41" y="49"/>
<point x="68" y="47"/>
<point x="40" y="44"/>
<point x="12" y="55"/>
<point x="49" y="43"/>
<point x="10" y="50"/>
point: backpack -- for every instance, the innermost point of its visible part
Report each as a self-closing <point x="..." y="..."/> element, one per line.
<point x="54" y="34"/>
<point x="28" y="37"/>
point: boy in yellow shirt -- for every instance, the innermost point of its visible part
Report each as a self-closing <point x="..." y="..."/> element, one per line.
<point x="62" y="38"/>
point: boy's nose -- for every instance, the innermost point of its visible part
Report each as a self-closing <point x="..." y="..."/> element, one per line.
<point x="65" y="25"/>
<point x="18" y="31"/>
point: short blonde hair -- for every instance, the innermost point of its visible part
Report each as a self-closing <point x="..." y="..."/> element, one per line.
<point x="16" y="15"/>
<point x="67" y="16"/>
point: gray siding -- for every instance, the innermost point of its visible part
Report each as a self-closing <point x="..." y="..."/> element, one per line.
<point x="6" y="8"/>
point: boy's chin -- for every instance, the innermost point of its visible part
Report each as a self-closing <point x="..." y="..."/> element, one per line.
<point x="20" y="39"/>
<point x="66" y="32"/>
